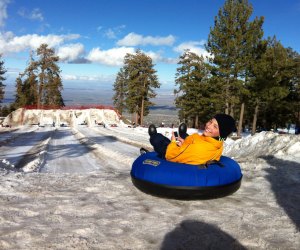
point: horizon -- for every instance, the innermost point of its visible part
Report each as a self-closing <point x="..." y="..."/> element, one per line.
<point x="80" y="93"/>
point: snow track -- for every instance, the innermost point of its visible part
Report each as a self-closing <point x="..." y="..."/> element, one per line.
<point x="133" y="136"/>
<point x="22" y="147"/>
<point x="67" y="150"/>
<point x="65" y="154"/>
<point x="118" y="153"/>
<point x="11" y="134"/>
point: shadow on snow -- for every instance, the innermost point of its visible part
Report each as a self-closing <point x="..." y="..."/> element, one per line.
<point x="285" y="183"/>
<point x="192" y="235"/>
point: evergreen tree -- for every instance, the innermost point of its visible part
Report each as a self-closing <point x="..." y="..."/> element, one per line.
<point x="5" y="111"/>
<point x="120" y="90"/>
<point x="30" y="87"/>
<point x="142" y="80"/>
<point x="50" y="83"/>
<point x="193" y="95"/>
<point x="273" y="74"/>
<point x="53" y="89"/>
<point x="232" y="43"/>
<point x="20" y="97"/>
<point x="2" y="79"/>
<point x="293" y="99"/>
<point x="26" y="86"/>
<point x="40" y="84"/>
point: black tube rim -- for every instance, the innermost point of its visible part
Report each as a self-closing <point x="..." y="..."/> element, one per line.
<point x="186" y="192"/>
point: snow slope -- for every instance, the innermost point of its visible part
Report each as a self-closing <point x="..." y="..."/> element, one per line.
<point x="74" y="191"/>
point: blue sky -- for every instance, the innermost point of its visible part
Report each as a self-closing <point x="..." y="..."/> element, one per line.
<point x="91" y="37"/>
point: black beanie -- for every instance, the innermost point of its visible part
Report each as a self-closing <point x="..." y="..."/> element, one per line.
<point x="226" y="125"/>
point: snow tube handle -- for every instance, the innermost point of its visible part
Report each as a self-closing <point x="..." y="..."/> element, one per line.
<point x="206" y="165"/>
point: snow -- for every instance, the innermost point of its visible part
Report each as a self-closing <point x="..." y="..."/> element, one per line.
<point x="70" y="188"/>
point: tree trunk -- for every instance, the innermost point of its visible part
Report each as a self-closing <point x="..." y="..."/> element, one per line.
<point x="136" y="118"/>
<point x="143" y="100"/>
<point x="255" y="119"/>
<point x="226" y="107"/>
<point x="41" y="90"/>
<point x="39" y="96"/>
<point x="232" y="110"/>
<point x="227" y="97"/>
<point x="197" y="121"/>
<point x="142" y="112"/>
<point x="241" y="120"/>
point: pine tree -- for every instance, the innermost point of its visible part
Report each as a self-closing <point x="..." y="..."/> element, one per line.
<point x="192" y="95"/>
<point x="50" y="83"/>
<point x="20" y="97"/>
<point x="40" y="83"/>
<point x="271" y="85"/>
<point x="232" y="43"/>
<point x="2" y="79"/>
<point x="142" y="80"/>
<point x="293" y="98"/>
<point x="26" y="86"/>
<point x="287" y="111"/>
<point x="120" y="90"/>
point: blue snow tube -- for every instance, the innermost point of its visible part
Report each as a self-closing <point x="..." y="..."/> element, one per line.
<point x="159" y="177"/>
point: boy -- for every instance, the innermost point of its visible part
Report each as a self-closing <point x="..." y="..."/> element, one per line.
<point x="194" y="149"/>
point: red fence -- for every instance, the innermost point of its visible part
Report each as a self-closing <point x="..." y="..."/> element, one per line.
<point x="89" y="106"/>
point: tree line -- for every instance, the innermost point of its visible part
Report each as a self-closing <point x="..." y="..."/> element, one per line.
<point x="255" y="80"/>
<point x="39" y="85"/>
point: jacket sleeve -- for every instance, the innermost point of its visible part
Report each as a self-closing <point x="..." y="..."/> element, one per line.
<point x="173" y="150"/>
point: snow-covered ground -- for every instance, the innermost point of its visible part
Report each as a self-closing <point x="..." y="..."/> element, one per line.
<point x="70" y="188"/>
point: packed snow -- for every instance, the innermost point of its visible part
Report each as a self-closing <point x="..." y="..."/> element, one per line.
<point x="67" y="185"/>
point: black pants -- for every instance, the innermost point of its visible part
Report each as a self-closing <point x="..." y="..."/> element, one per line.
<point x="160" y="144"/>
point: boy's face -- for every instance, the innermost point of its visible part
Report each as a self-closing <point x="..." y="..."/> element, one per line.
<point x="212" y="128"/>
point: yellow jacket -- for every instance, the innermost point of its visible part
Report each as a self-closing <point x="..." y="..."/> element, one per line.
<point x="196" y="149"/>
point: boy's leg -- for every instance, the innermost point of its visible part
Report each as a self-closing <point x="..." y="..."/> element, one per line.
<point x="160" y="144"/>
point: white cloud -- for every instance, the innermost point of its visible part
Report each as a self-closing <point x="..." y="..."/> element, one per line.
<point x="115" y="56"/>
<point x="133" y="39"/>
<point x="157" y="57"/>
<point x="13" y="44"/>
<point x="73" y="52"/>
<point x="111" y="57"/>
<point x="112" y="33"/>
<point x="35" y="14"/>
<point x="70" y="52"/>
<point x="154" y="56"/>
<point x="3" y="13"/>
<point x="194" y="46"/>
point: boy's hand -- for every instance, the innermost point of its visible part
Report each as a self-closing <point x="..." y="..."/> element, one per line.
<point x="180" y="141"/>
<point x="173" y="138"/>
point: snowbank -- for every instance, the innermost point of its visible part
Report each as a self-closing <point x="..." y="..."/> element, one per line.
<point x="72" y="117"/>
<point x="264" y="144"/>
